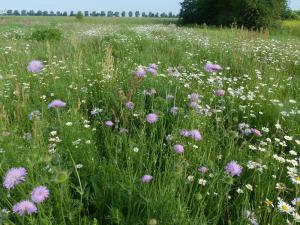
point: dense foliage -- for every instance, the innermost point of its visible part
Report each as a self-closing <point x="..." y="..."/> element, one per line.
<point x="250" y="13"/>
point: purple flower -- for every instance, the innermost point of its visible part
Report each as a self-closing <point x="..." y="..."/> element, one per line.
<point x="179" y="149"/>
<point x="152" y="71"/>
<point x="152" y="118"/>
<point x="233" y="169"/>
<point x="14" y="176"/>
<point x="129" y="105"/>
<point x="196" y="135"/>
<point x="39" y="194"/>
<point x="24" y="207"/>
<point x="210" y="67"/>
<point x="174" y="110"/>
<point x="219" y="93"/>
<point x="168" y="97"/>
<point x="256" y="132"/>
<point x="194" y="97"/>
<point x="109" y="123"/>
<point x="203" y="169"/>
<point x="184" y="133"/>
<point x="140" y="72"/>
<point x="146" y="178"/>
<point x="153" y="66"/>
<point x="35" y="66"/>
<point x="194" y="105"/>
<point x="56" y="104"/>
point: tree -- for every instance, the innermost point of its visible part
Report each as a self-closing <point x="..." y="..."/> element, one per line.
<point x="39" y="13"/>
<point x="31" y="13"/>
<point x="24" y="12"/>
<point x="144" y="14"/>
<point x="250" y="13"/>
<point x="110" y="13"/>
<point x="123" y="14"/>
<point x="58" y="13"/>
<point x="130" y="14"/>
<point x="170" y="14"/>
<point x="9" y="12"/>
<point x="52" y="13"/>
<point x="72" y="13"/>
<point x="65" y="13"/>
<point x="163" y="15"/>
<point x="102" y="13"/>
<point x="117" y="14"/>
<point x="79" y="15"/>
<point x="86" y="13"/>
<point x="16" y="13"/>
<point x="45" y="13"/>
<point x="137" y="13"/>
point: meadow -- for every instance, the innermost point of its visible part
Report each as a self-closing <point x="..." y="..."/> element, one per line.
<point x="139" y="121"/>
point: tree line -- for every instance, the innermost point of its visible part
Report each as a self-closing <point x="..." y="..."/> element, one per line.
<point x="247" y="13"/>
<point x="110" y="13"/>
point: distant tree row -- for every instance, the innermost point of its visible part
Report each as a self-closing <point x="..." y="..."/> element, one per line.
<point x="87" y="13"/>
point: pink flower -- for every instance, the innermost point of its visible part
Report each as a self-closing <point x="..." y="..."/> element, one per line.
<point x="219" y="93"/>
<point x="233" y="169"/>
<point x="24" y="207"/>
<point x="35" y="66"/>
<point x="146" y="178"/>
<point x="109" y="123"/>
<point x="210" y="67"/>
<point x="196" y="135"/>
<point x="256" y="132"/>
<point x="14" y="176"/>
<point x="203" y="169"/>
<point x="56" y="104"/>
<point x="152" y="118"/>
<point x="179" y="149"/>
<point x="39" y="194"/>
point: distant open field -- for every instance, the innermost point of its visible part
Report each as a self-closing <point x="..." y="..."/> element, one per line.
<point x="139" y="121"/>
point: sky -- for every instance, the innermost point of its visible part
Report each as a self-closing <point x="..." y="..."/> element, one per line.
<point x="105" y="5"/>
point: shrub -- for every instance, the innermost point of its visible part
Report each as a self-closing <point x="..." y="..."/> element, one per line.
<point x="46" y="34"/>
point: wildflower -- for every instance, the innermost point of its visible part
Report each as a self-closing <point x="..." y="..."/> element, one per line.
<point x="190" y="178"/>
<point x="240" y="191"/>
<point x="152" y="71"/>
<point x="153" y="66"/>
<point x="169" y="97"/>
<point x="34" y="114"/>
<point x="140" y="72"/>
<point x="219" y="93"/>
<point x="14" y="176"/>
<point x="194" y="105"/>
<point x="194" y="97"/>
<point x="152" y="222"/>
<point x="203" y="169"/>
<point x="174" y="110"/>
<point x="249" y="187"/>
<point x="256" y="132"/>
<point x="35" y="66"/>
<point x="56" y="104"/>
<point x="146" y="178"/>
<point x="296" y="180"/>
<point x="24" y="207"/>
<point x="185" y="133"/>
<point x="296" y="202"/>
<point x="210" y="67"/>
<point x="152" y="118"/>
<point x="196" y="135"/>
<point x="96" y="111"/>
<point x="233" y="169"/>
<point x="129" y="105"/>
<point x="179" y="149"/>
<point x="285" y="207"/>
<point x="39" y="194"/>
<point x="109" y="123"/>
<point x="202" y="182"/>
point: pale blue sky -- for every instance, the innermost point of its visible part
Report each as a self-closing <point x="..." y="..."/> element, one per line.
<point x="98" y="5"/>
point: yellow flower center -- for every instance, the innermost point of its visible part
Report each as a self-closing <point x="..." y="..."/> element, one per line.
<point x="285" y="208"/>
<point x="297" y="178"/>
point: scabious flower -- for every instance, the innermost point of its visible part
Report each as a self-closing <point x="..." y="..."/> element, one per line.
<point x="109" y="123"/>
<point x="196" y="135"/>
<point x="24" y="208"/>
<point x="202" y="169"/>
<point x="14" y="176"/>
<point x="153" y="66"/>
<point x="152" y="118"/>
<point x="35" y="66"/>
<point x="184" y="133"/>
<point x="129" y="105"/>
<point x="210" y="67"/>
<point x="219" y="93"/>
<point x="146" y="178"/>
<point x="194" y="105"/>
<point x="233" y="169"/>
<point x="174" y="110"/>
<point x="179" y="149"/>
<point x="152" y="71"/>
<point x="39" y="194"/>
<point x="140" y="72"/>
<point x="256" y="132"/>
<point x="194" y="97"/>
<point x="56" y="104"/>
<point x="34" y="114"/>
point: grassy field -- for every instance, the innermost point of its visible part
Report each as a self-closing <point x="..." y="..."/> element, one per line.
<point x="93" y="152"/>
